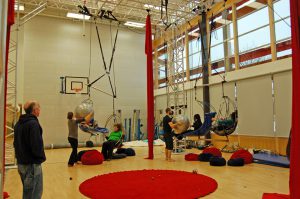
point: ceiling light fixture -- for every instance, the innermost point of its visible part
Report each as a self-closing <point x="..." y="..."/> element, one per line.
<point x="134" y="24"/>
<point x="21" y="7"/>
<point x="77" y="16"/>
<point x="149" y="6"/>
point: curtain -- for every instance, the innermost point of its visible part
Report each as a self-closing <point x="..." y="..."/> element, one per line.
<point x="150" y="95"/>
<point x="295" y="137"/>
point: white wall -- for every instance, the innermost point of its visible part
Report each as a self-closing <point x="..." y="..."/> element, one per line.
<point x="254" y="98"/>
<point x="56" y="47"/>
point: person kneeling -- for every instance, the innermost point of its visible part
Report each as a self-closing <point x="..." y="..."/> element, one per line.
<point x="112" y="140"/>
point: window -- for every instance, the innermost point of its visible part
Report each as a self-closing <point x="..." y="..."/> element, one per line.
<point x="161" y="62"/>
<point x="195" y="53"/>
<point x="195" y="59"/>
<point x="221" y="45"/>
<point x="282" y="28"/>
<point x="161" y="66"/>
<point x="253" y="33"/>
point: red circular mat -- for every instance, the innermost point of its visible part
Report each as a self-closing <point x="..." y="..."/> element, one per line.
<point x="150" y="184"/>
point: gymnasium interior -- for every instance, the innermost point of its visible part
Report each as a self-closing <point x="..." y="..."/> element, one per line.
<point x="233" y="62"/>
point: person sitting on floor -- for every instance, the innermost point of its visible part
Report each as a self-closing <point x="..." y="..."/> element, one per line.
<point x="112" y="140"/>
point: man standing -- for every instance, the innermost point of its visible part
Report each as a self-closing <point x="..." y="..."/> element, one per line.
<point x="168" y="134"/>
<point x="29" y="150"/>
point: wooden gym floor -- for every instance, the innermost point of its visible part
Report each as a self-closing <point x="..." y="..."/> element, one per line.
<point x="248" y="182"/>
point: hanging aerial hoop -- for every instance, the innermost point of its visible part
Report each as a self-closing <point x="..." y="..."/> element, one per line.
<point x="227" y="117"/>
<point x="91" y="126"/>
<point x="111" y="120"/>
<point x="84" y="108"/>
<point x="226" y="125"/>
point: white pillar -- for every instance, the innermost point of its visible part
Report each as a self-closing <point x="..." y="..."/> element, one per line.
<point x="3" y="26"/>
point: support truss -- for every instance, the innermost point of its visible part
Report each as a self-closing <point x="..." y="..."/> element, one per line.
<point x="175" y="73"/>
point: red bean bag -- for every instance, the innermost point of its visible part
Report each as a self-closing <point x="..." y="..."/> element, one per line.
<point x="213" y="150"/>
<point x="5" y="195"/>
<point x="92" y="157"/>
<point x="275" y="196"/>
<point x="242" y="153"/>
<point x="191" y="157"/>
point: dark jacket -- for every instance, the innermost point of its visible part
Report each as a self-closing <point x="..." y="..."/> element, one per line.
<point x="197" y="124"/>
<point x="28" y="140"/>
<point x="166" y="127"/>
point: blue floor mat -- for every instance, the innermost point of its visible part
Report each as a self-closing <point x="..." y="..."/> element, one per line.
<point x="271" y="159"/>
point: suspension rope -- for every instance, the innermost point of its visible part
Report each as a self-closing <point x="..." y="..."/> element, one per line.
<point x="107" y="72"/>
<point x="201" y="103"/>
<point x="90" y="84"/>
<point x="107" y="15"/>
<point x="90" y="64"/>
<point x="111" y="86"/>
<point x="114" y="48"/>
<point x="99" y="40"/>
<point x="114" y="95"/>
<point x="166" y="68"/>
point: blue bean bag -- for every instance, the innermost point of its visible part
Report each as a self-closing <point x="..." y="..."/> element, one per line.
<point x="237" y="162"/>
<point x="119" y="156"/>
<point x="130" y="152"/>
<point x="217" y="161"/>
<point x="205" y="157"/>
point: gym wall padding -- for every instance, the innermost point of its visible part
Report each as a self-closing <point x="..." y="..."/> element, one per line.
<point x="283" y="103"/>
<point x="60" y="49"/>
<point x="255" y="106"/>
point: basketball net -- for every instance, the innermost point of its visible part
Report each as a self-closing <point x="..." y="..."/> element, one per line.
<point x="77" y="92"/>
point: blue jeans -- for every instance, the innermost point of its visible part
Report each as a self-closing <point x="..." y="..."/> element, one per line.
<point x="32" y="180"/>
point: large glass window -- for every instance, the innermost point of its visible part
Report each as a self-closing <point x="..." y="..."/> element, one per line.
<point x="221" y="45"/>
<point x="195" y="54"/>
<point x="253" y="41"/>
<point x="282" y="28"/>
<point x="161" y="62"/>
<point x="253" y="33"/>
<point x="252" y="21"/>
<point x="195" y="59"/>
